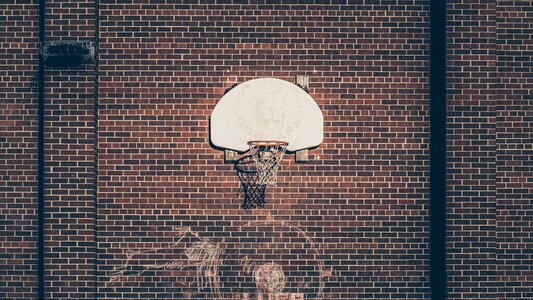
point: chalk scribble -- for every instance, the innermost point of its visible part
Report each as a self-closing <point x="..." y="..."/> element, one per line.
<point x="203" y="256"/>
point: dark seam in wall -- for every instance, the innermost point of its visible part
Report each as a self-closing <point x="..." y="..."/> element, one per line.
<point x="40" y="159"/>
<point x="96" y="78"/>
<point x="437" y="210"/>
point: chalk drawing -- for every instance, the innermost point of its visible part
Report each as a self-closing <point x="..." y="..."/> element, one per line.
<point x="203" y="256"/>
<point x="270" y="277"/>
<point x="262" y="260"/>
<point x="248" y="270"/>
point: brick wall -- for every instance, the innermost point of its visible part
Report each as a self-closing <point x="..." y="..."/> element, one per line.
<point x="70" y="191"/>
<point x="350" y="223"/>
<point x="514" y="149"/>
<point x="18" y="150"/>
<point x="358" y="209"/>
<point x="489" y="152"/>
<point x="471" y="151"/>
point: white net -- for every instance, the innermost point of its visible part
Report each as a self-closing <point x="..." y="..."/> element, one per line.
<point x="267" y="156"/>
<point x="254" y="192"/>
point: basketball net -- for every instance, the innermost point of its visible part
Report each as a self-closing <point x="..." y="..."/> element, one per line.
<point x="267" y="156"/>
<point x="254" y="193"/>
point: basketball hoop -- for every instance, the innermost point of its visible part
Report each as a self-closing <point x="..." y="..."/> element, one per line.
<point x="267" y="156"/>
<point x="254" y="193"/>
<point x="268" y="117"/>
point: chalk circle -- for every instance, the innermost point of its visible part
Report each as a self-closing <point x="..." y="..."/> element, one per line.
<point x="271" y="257"/>
<point x="269" y="277"/>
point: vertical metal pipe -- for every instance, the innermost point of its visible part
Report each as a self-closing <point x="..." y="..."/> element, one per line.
<point x="40" y="159"/>
<point x="437" y="209"/>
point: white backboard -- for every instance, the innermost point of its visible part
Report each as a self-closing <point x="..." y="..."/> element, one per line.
<point x="266" y="109"/>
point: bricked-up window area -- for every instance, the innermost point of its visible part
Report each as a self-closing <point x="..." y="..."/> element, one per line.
<point x="163" y="220"/>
